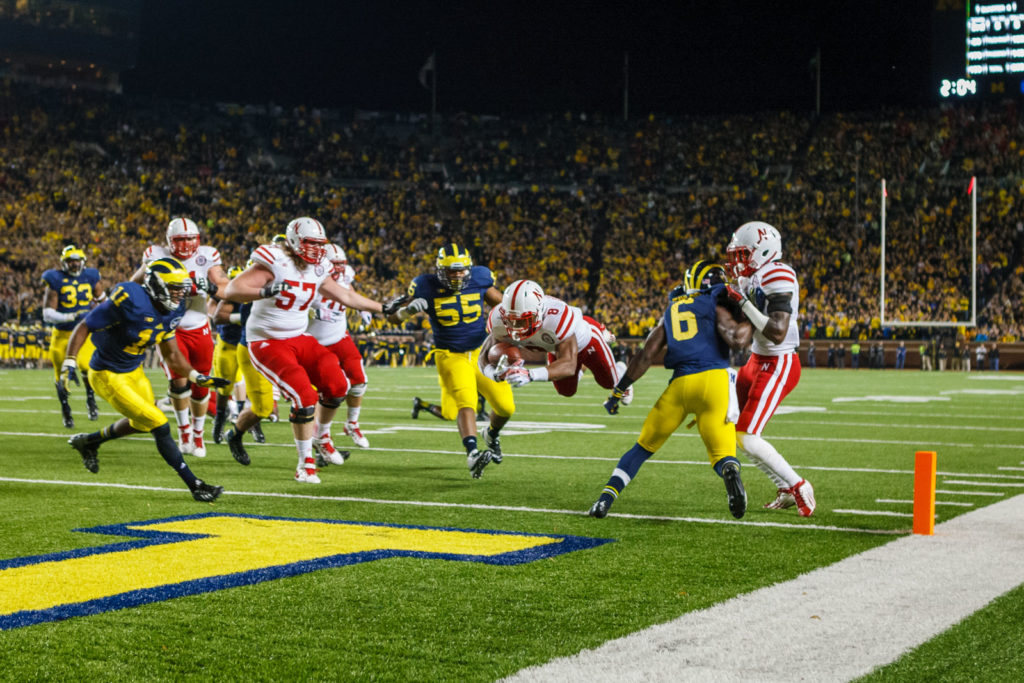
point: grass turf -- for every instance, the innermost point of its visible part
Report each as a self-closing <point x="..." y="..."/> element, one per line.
<point x="675" y="549"/>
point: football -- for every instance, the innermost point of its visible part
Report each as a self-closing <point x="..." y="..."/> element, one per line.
<point x="500" y="349"/>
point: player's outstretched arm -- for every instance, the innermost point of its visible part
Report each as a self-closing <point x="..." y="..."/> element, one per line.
<point x="254" y="283"/>
<point x="653" y="349"/>
<point x="349" y="297"/>
<point x="174" y="358"/>
<point x="564" y="364"/>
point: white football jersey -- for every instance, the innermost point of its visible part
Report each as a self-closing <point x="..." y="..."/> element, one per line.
<point x="287" y="314"/>
<point x="197" y="265"/>
<point x="778" y="278"/>
<point x="559" y="321"/>
<point x="332" y="331"/>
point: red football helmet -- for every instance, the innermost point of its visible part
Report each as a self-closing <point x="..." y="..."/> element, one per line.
<point x="521" y="308"/>
<point x="182" y="238"/>
<point x="306" y="239"/>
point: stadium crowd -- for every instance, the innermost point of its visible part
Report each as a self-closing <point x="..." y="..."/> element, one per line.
<point x="603" y="214"/>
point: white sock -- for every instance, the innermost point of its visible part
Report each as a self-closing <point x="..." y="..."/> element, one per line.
<point x="768" y="460"/>
<point x="184" y="423"/>
<point x="198" y="425"/>
<point x="353" y="413"/>
<point x="620" y="369"/>
<point x="321" y="430"/>
<point x="305" y="448"/>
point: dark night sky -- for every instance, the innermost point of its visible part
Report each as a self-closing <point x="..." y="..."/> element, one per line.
<point x="685" y="56"/>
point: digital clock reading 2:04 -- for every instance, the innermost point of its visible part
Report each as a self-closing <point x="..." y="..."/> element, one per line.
<point x="961" y="87"/>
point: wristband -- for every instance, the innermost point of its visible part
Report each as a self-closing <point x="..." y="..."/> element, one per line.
<point x="539" y="375"/>
<point x="489" y="371"/>
<point x="235" y="318"/>
<point x="193" y="375"/>
<point x="758" y="319"/>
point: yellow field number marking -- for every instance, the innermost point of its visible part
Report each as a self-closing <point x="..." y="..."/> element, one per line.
<point x="183" y="556"/>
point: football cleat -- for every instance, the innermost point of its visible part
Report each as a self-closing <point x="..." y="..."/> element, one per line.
<point x="219" y="420"/>
<point x="784" y="499"/>
<point x="325" y="449"/>
<point x="65" y="410"/>
<point x="601" y="507"/>
<point x="306" y="474"/>
<point x="476" y="461"/>
<point x="734" y="487"/>
<point x="257" y="433"/>
<point x="198" y="448"/>
<point x="90" y="403"/>
<point x="352" y="430"/>
<point x="234" y="440"/>
<point x="204" y="493"/>
<point x="803" y="495"/>
<point x="185" y="440"/>
<point x="627" y="397"/>
<point x="90" y="454"/>
<point x="416" y="407"/>
<point x="494" y="446"/>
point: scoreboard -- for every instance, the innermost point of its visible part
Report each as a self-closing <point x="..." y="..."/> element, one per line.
<point x="978" y="48"/>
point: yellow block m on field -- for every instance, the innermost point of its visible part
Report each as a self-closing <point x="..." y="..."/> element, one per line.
<point x="201" y="553"/>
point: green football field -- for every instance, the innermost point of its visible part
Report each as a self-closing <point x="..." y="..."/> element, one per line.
<point x="399" y="566"/>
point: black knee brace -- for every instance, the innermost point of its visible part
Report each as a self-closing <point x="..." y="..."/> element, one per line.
<point x="301" y="415"/>
<point x="330" y="402"/>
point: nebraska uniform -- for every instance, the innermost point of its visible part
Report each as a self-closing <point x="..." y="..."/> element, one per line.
<point x="769" y="295"/>
<point x="558" y="322"/>
<point x="329" y="326"/>
<point x="279" y="346"/>
<point x="773" y="369"/>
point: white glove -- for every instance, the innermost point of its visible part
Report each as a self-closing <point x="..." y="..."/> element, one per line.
<point x="518" y="376"/>
<point x="416" y="306"/>
<point x="366" y="317"/>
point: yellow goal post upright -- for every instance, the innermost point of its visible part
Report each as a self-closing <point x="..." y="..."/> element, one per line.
<point x="973" y="322"/>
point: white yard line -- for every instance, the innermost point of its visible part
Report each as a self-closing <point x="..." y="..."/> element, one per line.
<point x="542" y="456"/>
<point x="836" y="623"/>
<point x="464" y="506"/>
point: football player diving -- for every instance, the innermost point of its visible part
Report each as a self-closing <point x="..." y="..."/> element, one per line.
<point x="453" y="298"/>
<point x="134" y="318"/>
<point x="70" y="293"/>
<point x="694" y="335"/>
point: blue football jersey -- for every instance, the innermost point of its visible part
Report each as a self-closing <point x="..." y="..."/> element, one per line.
<point x="125" y="325"/>
<point x="457" y="318"/>
<point x="74" y="292"/>
<point x="244" y="310"/>
<point x="690" y="330"/>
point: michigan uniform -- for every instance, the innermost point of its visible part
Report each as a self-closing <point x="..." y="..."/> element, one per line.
<point x="698" y="356"/>
<point x="135" y="318"/>
<point x="71" y="292"/>
<point x="454" y="298"/>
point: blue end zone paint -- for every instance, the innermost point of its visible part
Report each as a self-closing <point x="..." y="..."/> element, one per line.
<point x="559" y="545"/>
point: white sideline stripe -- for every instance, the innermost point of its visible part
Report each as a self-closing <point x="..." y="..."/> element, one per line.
<point x="875" y="513"/>
<point x="910" y="502"/>
<point x="968" y="493"/>
<point x="1011" y="469"/>
<point x="463" y="506"/>
<point x="981" y="483"/>
<point x="841" y="621"/>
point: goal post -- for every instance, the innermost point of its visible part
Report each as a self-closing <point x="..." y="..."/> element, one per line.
<point x="973" y="191"/>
